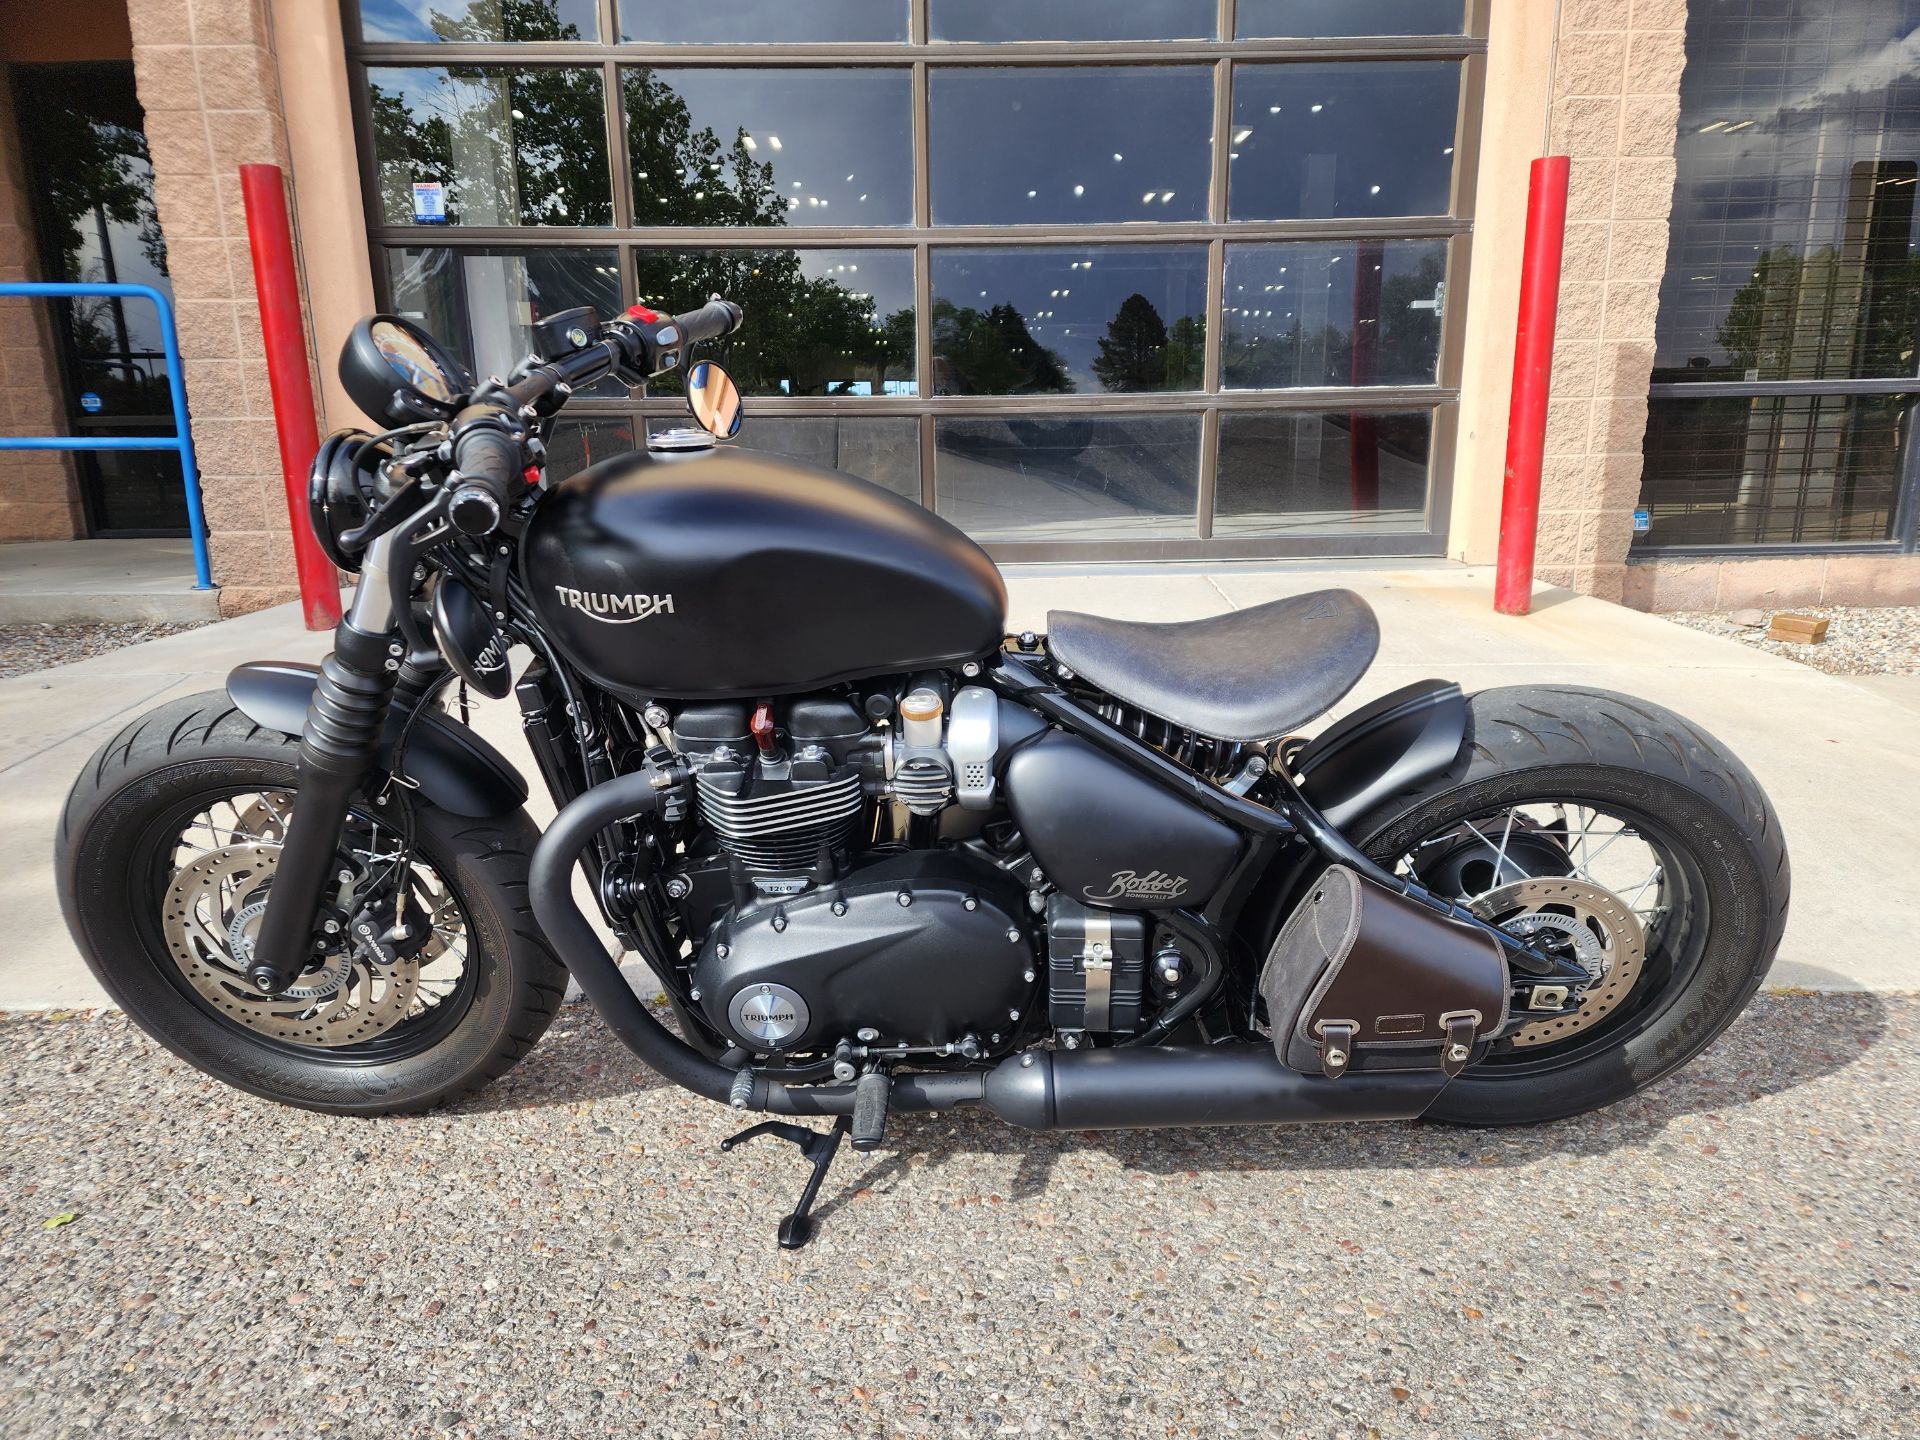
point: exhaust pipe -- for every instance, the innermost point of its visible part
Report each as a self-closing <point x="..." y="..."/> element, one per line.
<point x="1141" y="1088"/>
<point x="1137" y="1087"/>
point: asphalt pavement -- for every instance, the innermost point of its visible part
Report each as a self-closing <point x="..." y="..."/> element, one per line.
<point x="569" y="1255"/>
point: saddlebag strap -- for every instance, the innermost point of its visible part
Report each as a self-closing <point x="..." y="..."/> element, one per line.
<point x="1382" y="980"/>
<point x="1336" y="1046"/>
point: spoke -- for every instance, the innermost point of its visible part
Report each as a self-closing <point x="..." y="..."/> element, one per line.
<point x="1581" y="869"/>
<point x="1652" y="878"/>
<point x="1500" y="860"/>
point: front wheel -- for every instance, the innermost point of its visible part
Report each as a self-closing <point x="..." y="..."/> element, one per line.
<point x="1629" y="839"/>
<point x="166" y="854"/>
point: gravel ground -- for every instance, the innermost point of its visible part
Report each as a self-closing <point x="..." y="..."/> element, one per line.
<point x="1862" y="640"/>
<point x="27" y="648"/>
<point x="569" y="1256"/>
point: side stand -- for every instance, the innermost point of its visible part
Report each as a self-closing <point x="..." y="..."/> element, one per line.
<point x="819" y="1147"/>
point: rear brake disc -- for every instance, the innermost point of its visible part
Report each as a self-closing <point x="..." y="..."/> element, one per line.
<point x="1606" y="937"/>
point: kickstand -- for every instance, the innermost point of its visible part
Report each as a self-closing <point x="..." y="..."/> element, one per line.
<point x="819" y="1147"/>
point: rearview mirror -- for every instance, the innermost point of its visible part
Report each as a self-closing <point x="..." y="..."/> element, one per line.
<point x="714" y="400"/>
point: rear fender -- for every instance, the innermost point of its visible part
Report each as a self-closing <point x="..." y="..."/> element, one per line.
<point x="454" y="768"/>
<point x="1401" y="740"/>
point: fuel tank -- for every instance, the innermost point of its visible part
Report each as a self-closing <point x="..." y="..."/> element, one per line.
<point x="726" y="573"/>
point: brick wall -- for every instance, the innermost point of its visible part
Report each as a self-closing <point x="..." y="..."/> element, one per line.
<point x="39" y="492"/>
<point x="1615" y="112"/>
<point x="205" y="74"/>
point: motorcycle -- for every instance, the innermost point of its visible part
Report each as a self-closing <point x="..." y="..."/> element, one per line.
<point x="878" y="854"/>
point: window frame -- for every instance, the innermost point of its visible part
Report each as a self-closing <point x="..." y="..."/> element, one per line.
<point x="918" y="55"/>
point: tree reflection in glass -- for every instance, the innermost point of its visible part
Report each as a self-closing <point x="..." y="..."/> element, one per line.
<point x="1309" y="313"/>
<point x="819" y="322"/>
<point x="511" y="146"/>
<point x="412" y="21"/>
<point x="1058" y="319"/>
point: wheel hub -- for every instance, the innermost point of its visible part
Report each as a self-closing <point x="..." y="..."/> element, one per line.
<point x="1604" y="935"/>
<point x="210" y="917"/>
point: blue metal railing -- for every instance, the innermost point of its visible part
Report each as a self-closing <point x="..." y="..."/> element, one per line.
<point x="180" y="442"/>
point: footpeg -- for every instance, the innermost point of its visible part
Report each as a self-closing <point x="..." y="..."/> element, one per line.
<point x="871" y="1095"/>
<point x="818" y="1146"/>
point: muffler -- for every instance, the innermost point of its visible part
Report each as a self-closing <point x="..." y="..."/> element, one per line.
<point x="1143" y="1088"/>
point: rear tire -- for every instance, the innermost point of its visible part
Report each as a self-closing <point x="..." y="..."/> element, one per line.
<point x="1567" y="741"/>
<point x="202" y="744"/>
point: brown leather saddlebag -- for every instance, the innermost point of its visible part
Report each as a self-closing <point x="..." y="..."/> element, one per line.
<point x="1362" y="978"/>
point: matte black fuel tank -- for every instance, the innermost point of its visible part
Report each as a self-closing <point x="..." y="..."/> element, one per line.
<point x="731" y="573"/>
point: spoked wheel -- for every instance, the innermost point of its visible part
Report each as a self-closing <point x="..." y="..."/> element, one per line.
<point x="1621" y="837"/>
<point x="428" y="976"/>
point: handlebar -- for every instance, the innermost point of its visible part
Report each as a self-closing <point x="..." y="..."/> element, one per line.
<point x="486" y="463"/>
<point x="712" y="321"/>
<point x="486" y="440"/>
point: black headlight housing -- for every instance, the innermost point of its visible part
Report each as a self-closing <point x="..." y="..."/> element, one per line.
<point x="340" y="491"/>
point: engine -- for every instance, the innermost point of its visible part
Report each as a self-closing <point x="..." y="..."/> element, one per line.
<point x="836" y="893"/>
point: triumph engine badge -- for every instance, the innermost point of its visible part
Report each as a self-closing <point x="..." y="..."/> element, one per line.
<point x="769" y="1014"/>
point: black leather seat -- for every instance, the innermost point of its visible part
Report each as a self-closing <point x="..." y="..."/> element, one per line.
<point x="1247" y="675"/>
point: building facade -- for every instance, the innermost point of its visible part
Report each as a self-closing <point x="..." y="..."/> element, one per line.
<point x="1100" y="280"/>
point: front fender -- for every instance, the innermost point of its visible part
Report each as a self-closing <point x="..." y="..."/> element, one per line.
<point x="454" y="768"/>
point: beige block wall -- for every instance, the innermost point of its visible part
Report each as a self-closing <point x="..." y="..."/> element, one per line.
<point x="39" y="491"/>
<point x="1614" y="111"/>
<point x="207" y="78"/>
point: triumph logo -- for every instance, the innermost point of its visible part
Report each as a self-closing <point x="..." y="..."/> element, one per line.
<point x="1132" y="885"/>
<point x="612" y="609"/>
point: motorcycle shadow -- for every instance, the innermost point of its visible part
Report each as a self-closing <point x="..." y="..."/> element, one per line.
<point x="1780" y="1043"/>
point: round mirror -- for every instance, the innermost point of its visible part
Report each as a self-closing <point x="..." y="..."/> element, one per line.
<point x="399" y="373"/>
<point x="714" y="400"/>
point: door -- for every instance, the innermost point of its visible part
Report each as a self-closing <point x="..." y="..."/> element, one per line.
<point x="81" y="131"/>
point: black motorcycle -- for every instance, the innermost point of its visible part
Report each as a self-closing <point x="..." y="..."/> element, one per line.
<point x="878" y="854"/>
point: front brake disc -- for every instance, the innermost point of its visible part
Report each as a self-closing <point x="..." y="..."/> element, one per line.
<point x="1606" y="937"/>
<point x="213" y="908"/>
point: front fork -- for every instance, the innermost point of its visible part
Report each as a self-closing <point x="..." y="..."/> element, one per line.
<point x="338" y="747"/>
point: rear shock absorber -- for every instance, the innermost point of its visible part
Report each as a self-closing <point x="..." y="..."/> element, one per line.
<point x="337" y="749"/>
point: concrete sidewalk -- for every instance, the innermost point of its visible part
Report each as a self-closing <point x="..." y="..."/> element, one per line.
<point x="1838" y="757"/>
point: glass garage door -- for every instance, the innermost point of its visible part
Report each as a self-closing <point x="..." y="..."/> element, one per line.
<point x="1095" y="279"/>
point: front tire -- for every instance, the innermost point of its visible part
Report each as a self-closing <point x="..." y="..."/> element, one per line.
<point x="1532" y="744"/>
<point x="112" y="860"/>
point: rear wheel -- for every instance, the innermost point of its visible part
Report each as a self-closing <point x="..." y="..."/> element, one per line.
<point x="1629" y="840"/>
<point x="167" y="854"/>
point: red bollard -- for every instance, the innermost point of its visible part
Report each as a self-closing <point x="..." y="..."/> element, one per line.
<point x="1532" y="380"/>
<point x="277" y="283"/>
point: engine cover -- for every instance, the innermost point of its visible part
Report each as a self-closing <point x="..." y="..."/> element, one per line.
<point x="914" y="946"/>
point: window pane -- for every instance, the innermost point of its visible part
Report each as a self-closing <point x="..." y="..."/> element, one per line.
<point x="1350" y="17"/>
<point x="1069" y="477"/>
<point x="1001" y="20"/>
<point x="1060" y="146"/>
<point x="1287" y="473"/>
<point x="1792" y="249"/>
<point x="770" y="147"/>
<point x="483" y="304"/>
<point x="1775" y="471"/>
<point x="761" y="22"/>
<point x="819" y="322"/>
<point x="1059" y="319"/>
<point x="413" y="21"/>
<point x="1337" y="312"/>
<point x="508" y="147"/>
<point x="1361" y="138"/>
<point x="883" y="449"/>
<point x="576" y="444"/>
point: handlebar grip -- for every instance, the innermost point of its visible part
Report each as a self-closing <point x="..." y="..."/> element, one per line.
<point x="711" y="321"/>
<point x="487" y="461"/>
